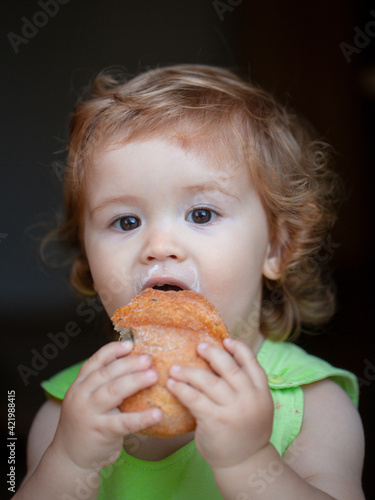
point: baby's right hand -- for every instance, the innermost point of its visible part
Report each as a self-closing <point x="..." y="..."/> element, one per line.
<point x="91" y="428"/>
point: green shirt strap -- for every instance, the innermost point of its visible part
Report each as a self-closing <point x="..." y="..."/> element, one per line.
<point x="288" y="365"/>
<point x="58" y="385"/>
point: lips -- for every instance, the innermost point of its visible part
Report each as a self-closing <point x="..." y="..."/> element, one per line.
<point x="167" y="277"/>
<point x="166" y="283"/>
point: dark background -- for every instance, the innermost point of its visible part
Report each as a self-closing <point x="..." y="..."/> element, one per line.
<point x="290" y="48"/>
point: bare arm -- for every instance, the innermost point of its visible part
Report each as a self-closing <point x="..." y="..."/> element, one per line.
<point x="333" y="441"/>
<point x="324" y="462"/>
<point x="48" y="475"/>
<point x="41" y="434"/>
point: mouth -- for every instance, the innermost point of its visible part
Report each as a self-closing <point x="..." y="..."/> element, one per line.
<point x="167" y="279"/>
<point x="166" y="284"/>
<point x="167" y="288"/>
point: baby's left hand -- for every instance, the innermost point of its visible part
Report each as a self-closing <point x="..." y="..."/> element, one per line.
<point x="233" y="406"/>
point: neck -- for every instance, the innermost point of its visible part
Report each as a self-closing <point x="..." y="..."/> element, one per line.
<point x="253" y="339"/>
<point x="257" y="342"/>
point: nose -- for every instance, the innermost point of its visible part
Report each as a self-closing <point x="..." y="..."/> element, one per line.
<point x="161" y="246"/>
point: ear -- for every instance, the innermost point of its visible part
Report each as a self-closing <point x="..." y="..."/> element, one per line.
<point x="276" y="246"/>
<point x="272" y="263"/>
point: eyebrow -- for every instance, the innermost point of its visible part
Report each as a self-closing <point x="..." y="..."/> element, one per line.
<point x="209" y="186"/>
<point x="133" y="200"/>
<point x="112" y="200"/>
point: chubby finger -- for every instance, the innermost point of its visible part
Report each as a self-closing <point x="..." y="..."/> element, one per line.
<point x="117" y="368"/>
<point x="111" y="394"/>
<point x="197" y="402"/>
<point x="246" y="359"/>
<point x="212" y="386"/>
<point x="129" y="423"/>
<point x="104" y="356"/>
<point x="225" y="365"/>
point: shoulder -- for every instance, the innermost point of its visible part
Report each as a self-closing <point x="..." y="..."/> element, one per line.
<point x="42" y="433"/>
<point x="288" y="365"/>
<point x="328" y="453"/>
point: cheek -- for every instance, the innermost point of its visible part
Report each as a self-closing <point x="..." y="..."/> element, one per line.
<point x="95" y="260"/>
<point x="234" y="279"/>
<point x="101" y="275"/>
<point x="103" y="272"/>
<point x="113" y="274"/>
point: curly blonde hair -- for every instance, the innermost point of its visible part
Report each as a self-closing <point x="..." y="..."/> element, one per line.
<point x="207" y="105"/>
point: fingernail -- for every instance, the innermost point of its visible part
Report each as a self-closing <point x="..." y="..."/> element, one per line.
<point x="176" y="368"/>
<point x="171" y="382"/>
<point x="151" y="374"/>
<point x="144" y="358"/>
<point x="203" y="345"/>
<point x="157" y="415"/>
<point x="228" y="341"/>
<point x="128" y="344"/>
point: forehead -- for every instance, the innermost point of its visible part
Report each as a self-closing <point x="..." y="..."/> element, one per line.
<point x="179" y="161"/>
<point x="219" y="141"/>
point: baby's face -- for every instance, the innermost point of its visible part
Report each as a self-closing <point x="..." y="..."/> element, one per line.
<point x="160" y="215"/>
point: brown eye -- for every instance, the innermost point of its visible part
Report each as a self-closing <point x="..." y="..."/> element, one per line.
<point x="128" y="223"/>
<point x="201" y="215"/>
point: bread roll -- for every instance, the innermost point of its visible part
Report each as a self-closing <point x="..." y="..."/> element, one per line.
<point x="168" y="325"/>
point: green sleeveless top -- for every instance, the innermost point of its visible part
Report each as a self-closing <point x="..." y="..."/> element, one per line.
<point x="184" y="474"/>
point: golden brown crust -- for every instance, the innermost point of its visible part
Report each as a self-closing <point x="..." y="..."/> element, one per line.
<point x="169" y="330"/>
<point x="184" y="309"/>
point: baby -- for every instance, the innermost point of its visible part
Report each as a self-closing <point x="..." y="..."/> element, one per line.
<point x="187" y="177"/>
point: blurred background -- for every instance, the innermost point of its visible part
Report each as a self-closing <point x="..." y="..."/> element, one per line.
<point x="317" y="56"/>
